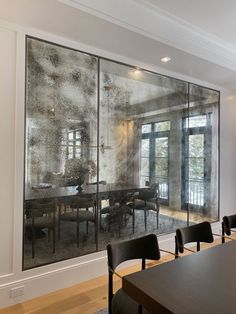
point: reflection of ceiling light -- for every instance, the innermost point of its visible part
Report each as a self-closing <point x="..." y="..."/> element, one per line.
<point x="137" y="71"/>
<point x="165" y="59"/>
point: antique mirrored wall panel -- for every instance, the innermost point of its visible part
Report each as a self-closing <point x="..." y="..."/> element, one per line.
<point x="60" y="153"/>
<point x="156" y="139"/>
<point x="140" y="153"/>
<point x="200" y="153"/>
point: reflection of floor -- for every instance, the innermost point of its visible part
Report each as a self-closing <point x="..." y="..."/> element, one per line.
<point x="194" y="217"/>
<point x="66" y="246"/>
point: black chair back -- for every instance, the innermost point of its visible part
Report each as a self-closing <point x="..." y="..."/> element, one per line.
<point x="229" y="222"/>
<point x="201" y="232"/>
<point x="151" y="193"/>
<point x="141" y="248"/>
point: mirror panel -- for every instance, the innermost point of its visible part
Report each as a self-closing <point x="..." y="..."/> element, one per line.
<point x="112" y="152"/>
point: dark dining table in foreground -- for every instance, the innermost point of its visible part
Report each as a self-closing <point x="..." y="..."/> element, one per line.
<point x="200" y="283"/>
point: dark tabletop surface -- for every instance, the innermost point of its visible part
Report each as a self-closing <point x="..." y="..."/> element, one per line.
<point x="203" y="282"/>
<point x="89" y="190"/>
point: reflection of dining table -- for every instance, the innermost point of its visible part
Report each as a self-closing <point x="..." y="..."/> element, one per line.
<point x="103" y="190"/>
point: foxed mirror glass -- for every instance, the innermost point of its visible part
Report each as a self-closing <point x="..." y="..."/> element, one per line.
<point x="141" y="118"/>
<point x="60" y="153"/>
<point x="112" y="152"/>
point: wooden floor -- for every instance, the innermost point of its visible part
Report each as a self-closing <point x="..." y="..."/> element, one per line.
<point x="85" y="298"/>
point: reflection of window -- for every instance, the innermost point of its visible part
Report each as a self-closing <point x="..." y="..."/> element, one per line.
<point x="144" y="169"/>
<point x="154" y="158"/>
<point x="197" y="159"/>
<point x="74" y="144"/>
<point x="195" y="121"/>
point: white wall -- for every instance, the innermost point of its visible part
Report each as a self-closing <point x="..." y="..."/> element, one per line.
<point x="55" y="276"/>
<point x="7" y="112"/>
<point x="227" y="154"/>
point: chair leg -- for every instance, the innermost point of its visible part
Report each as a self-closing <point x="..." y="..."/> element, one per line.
<point x="108" y="225"/>
<point x="157" y="214"/>
<point x="87" y="227"/>
<point x="33" y="240"/>
<point x="133" y="220"/>
<point x="158" y="210"/>
<point x="176" y="248"/>
<point x="95" y="234"/>
<point x="119" y="223"/>
<point x="100" y="219"/>
<point x="140" y="309"/>
<point x="145" y="219"/>
<point x="77" y="228"/>
<point x="77" y="234"/>
<point x="54" y="240"/>
<point x="110" y="292"/>
<point x="223" y="233"/>
<point x="59" y="224"/>
<point x="87" y="223"/>
<point x="125" y="220"/>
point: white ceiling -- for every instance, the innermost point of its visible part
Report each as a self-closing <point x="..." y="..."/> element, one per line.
<point x="139" y="30"/>
<point x="216" y="17"/>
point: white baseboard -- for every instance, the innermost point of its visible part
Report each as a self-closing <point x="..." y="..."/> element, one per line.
<point x="46" y="282"/>
<point x="62" y="277"/>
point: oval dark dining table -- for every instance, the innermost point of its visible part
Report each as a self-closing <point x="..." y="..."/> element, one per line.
<point x="200" y="283"/>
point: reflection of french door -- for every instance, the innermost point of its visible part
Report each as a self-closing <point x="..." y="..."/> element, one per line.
<point x="161" y="170"/>
<point x="197" y="162"/>
<point x="154" y="161"/>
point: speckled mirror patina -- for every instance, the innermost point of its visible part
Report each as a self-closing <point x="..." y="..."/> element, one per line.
<point x="60" y="153"/>
<point x="111" y="152"/>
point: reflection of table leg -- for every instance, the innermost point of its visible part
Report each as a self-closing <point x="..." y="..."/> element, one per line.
<point x="39" y="233"/>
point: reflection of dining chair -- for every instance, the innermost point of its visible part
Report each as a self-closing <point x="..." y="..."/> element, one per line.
<point x="117" y="210"/>
<point x="41" y="215"/>
<point x="141" y="248"/>
<point x="117" y="216"/>
<point x="228" y="223"/>
<point x="145" y="200"/>
<point x="197" y="233"/>
<point x="78" y="212"/>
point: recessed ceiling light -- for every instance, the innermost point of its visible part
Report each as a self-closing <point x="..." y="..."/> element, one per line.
<point x="165" y="59"/>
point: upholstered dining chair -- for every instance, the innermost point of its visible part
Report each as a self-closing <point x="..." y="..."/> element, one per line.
<point x="41" y="215"/>
<point x="78" y="212"/>
<point x="144" y="248"/>
<point x="228" y="223"/>
<point x="198" y="233"/>
<point x="146" y="200"/>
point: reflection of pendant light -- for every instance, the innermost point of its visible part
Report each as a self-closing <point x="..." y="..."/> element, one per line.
<point x="51" y="110"/>
<point x="103" y="147"/>
<point x="108" y="88"/>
